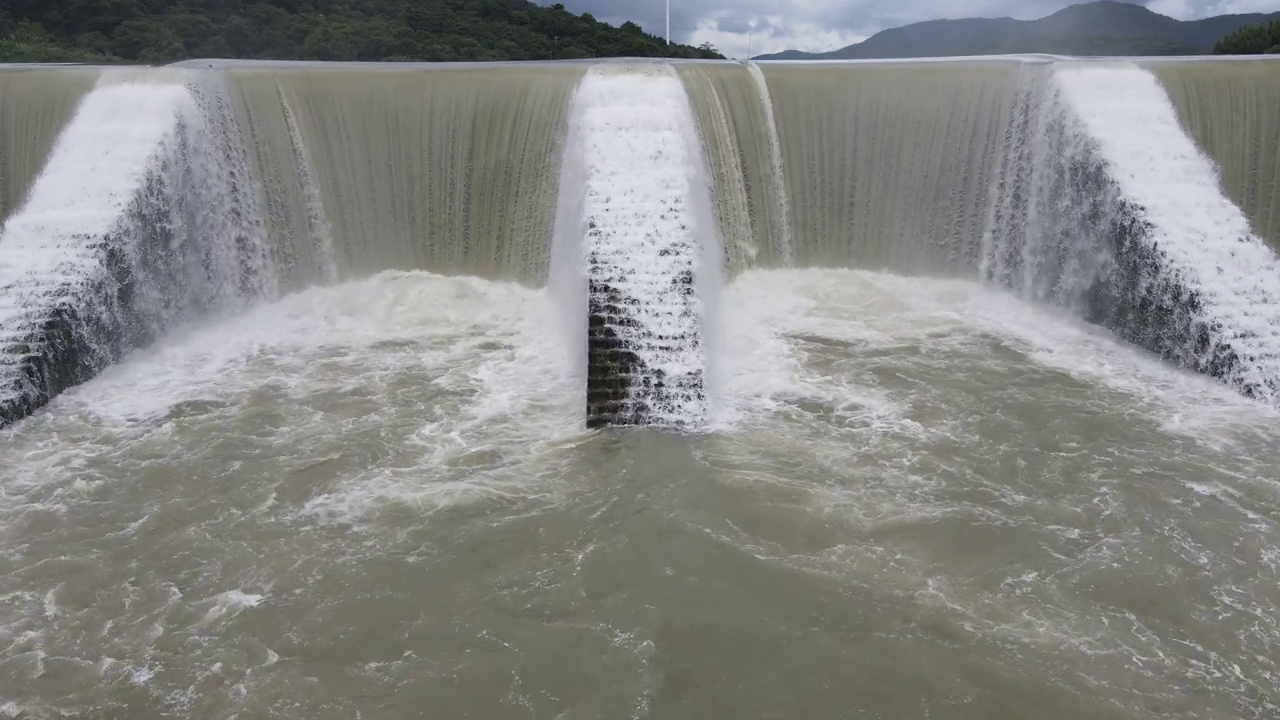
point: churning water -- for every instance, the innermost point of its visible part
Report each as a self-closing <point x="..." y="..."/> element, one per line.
<point x="342" y="470"/>
<point x="374" y="499"/>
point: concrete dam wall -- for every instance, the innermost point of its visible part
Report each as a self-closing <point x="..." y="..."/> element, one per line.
<point x="1142" y="197"/>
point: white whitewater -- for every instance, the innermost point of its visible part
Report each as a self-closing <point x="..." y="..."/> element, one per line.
<point x="786" y="247"/>
<point x="54" y="244"/>
<point x="1205" y="239"/>
<point x="141" y="220"/>
<point x="97" y="166"/>
<point x="633" y="131"/>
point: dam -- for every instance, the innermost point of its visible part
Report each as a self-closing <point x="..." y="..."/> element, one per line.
<point x="641" y="389"/>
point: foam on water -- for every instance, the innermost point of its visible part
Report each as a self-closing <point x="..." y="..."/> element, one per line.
<point x="447" y="370"/>
<point x="959" y="482"/>
<point x="989" y="503"/>
<point x="943" y="412"/>
<point x="769" y="310"/>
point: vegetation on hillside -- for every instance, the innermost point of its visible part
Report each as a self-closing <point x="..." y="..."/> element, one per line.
<point x="162" y="31"/>
<point x="28" y="42"/>
<point x="1251" y="40"/>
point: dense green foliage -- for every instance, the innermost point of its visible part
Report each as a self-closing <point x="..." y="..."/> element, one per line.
<point x="161" y="31"/>
<point x="28" y="42"/>
<point x="1251" y="40"/>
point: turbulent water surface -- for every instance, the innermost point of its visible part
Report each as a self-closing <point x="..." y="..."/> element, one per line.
<point x="916" y="499"/>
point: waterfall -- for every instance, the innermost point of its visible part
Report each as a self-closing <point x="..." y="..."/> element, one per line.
<point x="891" y="166"/>
<point x="1230" y="109"/>
<point x="632" y="190"/>
<point x="1110" y="209"/>
<point x="173" y="193"/>
<point x="34" y="106"/>
<point x="645" y="232"/>
<point x="450" y="170"/>
<point x="738" y="141"/>
<point x="785" y="247"/>
<point x="318" y="227"/>
<point x="132" y="227"/>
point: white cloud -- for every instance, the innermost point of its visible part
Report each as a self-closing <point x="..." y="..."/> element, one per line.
<point x="771" y="34"/>
<point x="1191" y="10"/>
<point x="1179" y="9"/>
<point x="1241" y="7"/>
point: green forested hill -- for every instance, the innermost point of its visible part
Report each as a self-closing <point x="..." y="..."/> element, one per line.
<point x="1260" y="39"/>
<point x="161" y="31"/>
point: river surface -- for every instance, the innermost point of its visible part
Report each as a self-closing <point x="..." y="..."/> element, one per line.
<point x="917" y="499"/>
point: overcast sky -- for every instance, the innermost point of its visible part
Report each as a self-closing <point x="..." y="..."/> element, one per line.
<point x="821" y="25"/>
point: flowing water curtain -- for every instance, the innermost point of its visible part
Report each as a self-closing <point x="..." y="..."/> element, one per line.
<point x="1107" y="207"/>
<point x="141" y="220"/>
<point x="35" y="104"/>
<point x="743" y="155"/>
<point x="443" y="169"/>
<point x="890" y="166"/>
<point x="1230" y="109"/>
<point x="649" y="245"/>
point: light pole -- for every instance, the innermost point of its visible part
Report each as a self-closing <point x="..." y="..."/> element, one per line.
<point x="668" y="22"/>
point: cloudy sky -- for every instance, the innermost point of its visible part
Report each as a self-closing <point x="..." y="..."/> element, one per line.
<point x="821" y="25"/>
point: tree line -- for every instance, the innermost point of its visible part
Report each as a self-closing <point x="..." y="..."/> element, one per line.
<point x="164" y="31"/>
<point x="1251" y="40"/>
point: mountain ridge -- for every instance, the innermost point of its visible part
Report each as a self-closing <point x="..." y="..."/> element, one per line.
<point x="1104" y="27"/>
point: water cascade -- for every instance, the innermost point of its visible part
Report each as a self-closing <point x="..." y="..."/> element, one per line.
<point x="1111" y="210"/>
<point x="1230" y="109"/>
<point x="34" y="106"/>
<point x="743" y="158"/>
<point x="128" y="230"/>
<point x="450" y="170"/>
<point x="643" y="235"/>
<point x="1017" y="174"/>
<point x="891" y="166"/>
<point x="243" y="183"/>
<point x="240" y="185"/>
<point x="893" y="470"/>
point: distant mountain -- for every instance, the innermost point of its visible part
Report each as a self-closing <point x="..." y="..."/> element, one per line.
<point x="1096" y="28"/>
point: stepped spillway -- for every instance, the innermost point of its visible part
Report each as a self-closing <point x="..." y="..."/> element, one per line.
<point x="1106" y="207"/>
<point x="1196" y="284"/>
<point x="71" y="254"/>
<point x="642" y="226"/>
